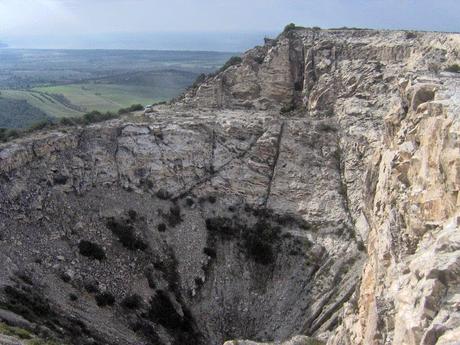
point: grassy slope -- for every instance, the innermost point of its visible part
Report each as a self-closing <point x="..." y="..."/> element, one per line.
<point x="19" y="113"/>
<point x="40" y="101"/>
<point x="102" y="97"/>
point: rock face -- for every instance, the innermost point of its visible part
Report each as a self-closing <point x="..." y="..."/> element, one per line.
<point x="312" y="190"/>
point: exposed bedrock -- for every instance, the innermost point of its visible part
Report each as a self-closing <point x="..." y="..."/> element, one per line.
<point x="309" y="193"/>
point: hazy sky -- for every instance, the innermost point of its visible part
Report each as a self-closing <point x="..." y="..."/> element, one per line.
<point x="55" y="20"/>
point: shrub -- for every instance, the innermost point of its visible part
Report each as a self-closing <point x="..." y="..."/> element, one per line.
<point x="136" y="107"/>
<point x="222" y="227"/>
<point x="60" y="179"/>
<point x="132" y="302"/>
<point x="411" y="35"/>
<point x="200" y="79"/>
<point x="91" y="287"/>
<point x="162" y="311"/>
<point x="73" y="297"/>
<point x="259" y="59"/>
<point x="40" y="125"/>
<point x="287" y="108"/>
<point x="105" y="299"/>
<point x="258" y="242"/>
<point x="132" y="215"/>
<point x="163" y="194"/>
<point x="125" y="234"/>
<point x="210" y="252"/>
<point x="455" y="68"/>
<point x="91" y="250"/>
<point x="96" y="116"/>
<point x="162" y="227"/>
<point x="8" y="134"/>
<point x="68" y="121"/>
<point x="174" y="216"/>
<point x="289" y="27"/>
<point x="212" y="199"/>
<point x="233" y="61"/>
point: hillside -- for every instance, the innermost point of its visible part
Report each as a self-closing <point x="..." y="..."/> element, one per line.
<point x="307" y="191"/>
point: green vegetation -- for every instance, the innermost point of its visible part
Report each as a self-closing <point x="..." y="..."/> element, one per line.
<point x="132" y="302"/>
<point x="289" y="27"/>
<point x="125" y="232"/>
<point x="14" y="331"/>
<point x="132" y="108"/>
<point x="37" y="341"/>
<point x="105" y="97"/>
<point x="18" y="113"/>
<point x="233" y="61"/>
<point x="104" y="299"/>
<point x="287" y="108"/>
<point x="91" y="250"/>
<point x="455" y="68"/>
<point x="24" y="334"/>
<point x="40" y="101"/>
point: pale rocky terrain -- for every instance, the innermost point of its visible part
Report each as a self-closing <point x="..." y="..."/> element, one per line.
<point x="307" y="194"/>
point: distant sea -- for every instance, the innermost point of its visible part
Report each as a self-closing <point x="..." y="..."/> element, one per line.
<point x="202" y="41"/>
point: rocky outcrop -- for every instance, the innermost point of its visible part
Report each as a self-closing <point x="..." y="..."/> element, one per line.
<point x="311" y="189"/>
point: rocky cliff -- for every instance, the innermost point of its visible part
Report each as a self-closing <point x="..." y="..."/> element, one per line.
<point x="310" y="189"/>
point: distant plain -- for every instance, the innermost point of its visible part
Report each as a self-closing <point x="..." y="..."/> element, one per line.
<point x="41" y="84"/>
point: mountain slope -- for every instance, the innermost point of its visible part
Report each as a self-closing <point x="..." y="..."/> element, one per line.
<point x="295" y="192"/>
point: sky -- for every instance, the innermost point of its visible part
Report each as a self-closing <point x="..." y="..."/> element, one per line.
<point x="203" y="24"/>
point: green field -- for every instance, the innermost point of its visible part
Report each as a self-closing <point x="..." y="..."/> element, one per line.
<point x="42" y="101"/>
<point x="102" y="97"/>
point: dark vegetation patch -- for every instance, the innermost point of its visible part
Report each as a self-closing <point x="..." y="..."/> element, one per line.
<point x="163" y="194"/>
<point x="19" y="113"/>
<point x="223" y="228"/>
<point x="455" y="68"/>
<point x="259" y="59"/>
<point x="73" y="297"/>
<point x="125" y="232"/>
<point x="289" y="27"/>
<point x="134" y="107"/>
<point x="259" y="241"/>
<point x="173" y="217"/>
<point x="60" y="179"/>
<point x="91" y="286"/>
<point x="161" y="227"/>
<point x="210" y="252"/>
<point x="7" y="134"/>
<point x="189" y="201"/>
<point x="132" y="302"/>
<point x="147" y="330"/>
<point x="410" y="35"/>
<point x="65" y="277"/>
<point x="287" y="108"/>
<point x="326" y="127"/>
<point x="149" y="275"/>
<point x="14" y="331"/>
<point x="91" y="250"/>
<point x="105" y="299"/>
<point x="181" y="326"/>
<point x="29" y="302"/>
<point x="233" y="61"/>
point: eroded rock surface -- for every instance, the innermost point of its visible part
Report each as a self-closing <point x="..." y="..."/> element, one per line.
<point x="311" y="189"/>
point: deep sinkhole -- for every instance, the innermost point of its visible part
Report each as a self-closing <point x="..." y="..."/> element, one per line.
<point x="120" y="267"/>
